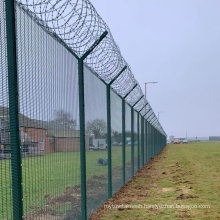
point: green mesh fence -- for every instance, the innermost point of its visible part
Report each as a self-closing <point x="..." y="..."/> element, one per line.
<point x="65" y="147"/>
<point x="5" y="150"/>
<point x="96" y="143"/>
<point x="116" y="139"/>
<point x="49" y="123"/>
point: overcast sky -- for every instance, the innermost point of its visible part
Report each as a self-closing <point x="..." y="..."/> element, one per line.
<point x="177" y="43"/>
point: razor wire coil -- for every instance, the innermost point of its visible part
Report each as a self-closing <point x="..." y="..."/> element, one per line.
<point x="78" y="25"/>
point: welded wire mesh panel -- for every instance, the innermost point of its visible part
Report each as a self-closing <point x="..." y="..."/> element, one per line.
<point x="135" y="142"/>
<point x="49" y="123"/>
<point x="50" y="34"/>
<point x="5" y="150"/>
<point x="128" y="168"/>
<point x="116" y="138"/>
<point x="96" y="144"/>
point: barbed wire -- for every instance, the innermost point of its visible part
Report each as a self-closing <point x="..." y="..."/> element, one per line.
<point x="78" y="25"/>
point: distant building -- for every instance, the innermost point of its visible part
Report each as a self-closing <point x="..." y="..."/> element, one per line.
<point x="214" y="138"/>
<point x="39" y="136"/>
<point x="66" y="140"/>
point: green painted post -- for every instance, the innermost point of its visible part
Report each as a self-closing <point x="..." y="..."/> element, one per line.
<point x="16" y="160"/>
<point x="108" y="98"/>
<point x="160" y="136"/>
<point x="109" y="144"/>
<point x="154" y="141"/>
<point x="123" y="129"/>
<point x="161" y="141"/>
<point x="132" y="142"/>
<point x="144" y="151"/>
<point x="146" y="145"/>
<point x="123" y="141"/>
<point x="142" y="140"/>
<point x="138" y="137"/>
<point x="82" y="124"/>
<point x="157" y="142"/>
<point x="148" y="138"/>
<point x="82" y="138"/>
<point x="150" y="141"/>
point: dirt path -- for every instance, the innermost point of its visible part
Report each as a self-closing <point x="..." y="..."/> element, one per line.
<point x="174" y="185"/>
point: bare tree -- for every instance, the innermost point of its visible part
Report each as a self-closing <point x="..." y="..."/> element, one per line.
<point x="97" y="127"/>
<point x="64" y="120"/>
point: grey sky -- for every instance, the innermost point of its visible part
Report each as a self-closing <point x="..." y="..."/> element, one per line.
<point x="175" y="42"/>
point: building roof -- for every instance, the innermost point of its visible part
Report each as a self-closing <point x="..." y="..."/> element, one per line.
<point x="63" y="133"/>
<point x="24" y="120"/>
<point x="56" y="128"/>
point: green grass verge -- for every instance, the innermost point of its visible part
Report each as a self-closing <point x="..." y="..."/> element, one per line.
<point x="187" y="175"/>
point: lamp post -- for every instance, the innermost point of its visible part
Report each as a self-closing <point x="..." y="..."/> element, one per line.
<point x="159" y="115"/>
<point x="146" y="87"/>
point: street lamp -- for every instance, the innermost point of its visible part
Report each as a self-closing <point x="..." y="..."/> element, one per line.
<point x="146" y="87"/>
<point x="159" y="115"/>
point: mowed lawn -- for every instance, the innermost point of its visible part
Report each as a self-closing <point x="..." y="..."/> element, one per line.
<point x="50" y="175"/>
<point x="183" y="182"/>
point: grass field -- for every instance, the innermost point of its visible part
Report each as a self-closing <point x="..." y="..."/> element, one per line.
<point x="183" y="182"/>
<point x="51" y="175"/>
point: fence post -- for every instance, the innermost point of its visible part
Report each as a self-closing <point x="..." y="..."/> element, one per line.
<point x="147" y="141"/>
<point x="123" y="128"/>
<point x="82" y="124"/>
<point x="150" y="137"/>
<point x="82" y="139"/>
<point x="142" y="140"/>
<point x="16" y="160"/>
<point x="132" y="133"/>
<point x="109" y="129"/>
<point x="138" y="139"/>
<point x="155" y="141"/>
<point x="132" y="141"/>
<point x="123" y="141"/>
<point x="158" y="142"/>
<point x="151" y="143"/>
<point x="146" y="145"/>
<point x="108" y="97"/>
